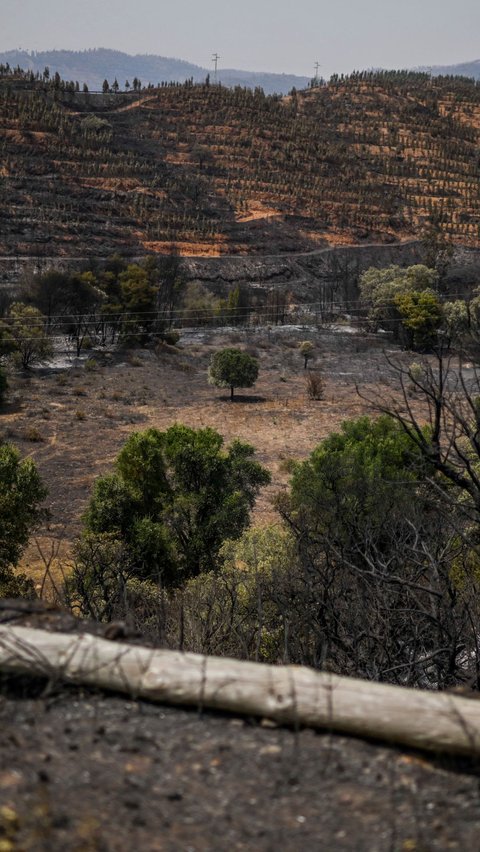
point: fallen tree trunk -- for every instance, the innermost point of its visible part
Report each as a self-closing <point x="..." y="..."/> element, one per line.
<point x="288" y="694"/>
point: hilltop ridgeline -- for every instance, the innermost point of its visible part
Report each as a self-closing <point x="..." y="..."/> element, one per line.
<point x="376" y="157"/>
<point x="93" y="66"/>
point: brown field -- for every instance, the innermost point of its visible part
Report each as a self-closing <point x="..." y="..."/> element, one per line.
<point x="73" y="421"/>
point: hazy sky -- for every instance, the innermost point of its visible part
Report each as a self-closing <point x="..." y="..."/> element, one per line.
<point x="275" y="35"/>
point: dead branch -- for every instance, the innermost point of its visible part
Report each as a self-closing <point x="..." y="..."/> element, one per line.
<point x="287" y="694"/>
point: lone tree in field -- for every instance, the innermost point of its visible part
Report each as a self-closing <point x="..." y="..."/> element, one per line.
<point x="231" y="368"/>
<point x="307" y="352"/>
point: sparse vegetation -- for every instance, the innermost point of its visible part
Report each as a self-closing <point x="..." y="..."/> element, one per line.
<point x="33" y="434"/>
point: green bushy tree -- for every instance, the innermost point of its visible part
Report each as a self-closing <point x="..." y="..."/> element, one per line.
<point x="235" y="611"/>
<point x="23" y="334"/>
<point x="231" y="368"/>
<point x="172" y="500"/>
<point x="381" y="288"/>
<point x="421" y="317"/>
<point x="375" y="557"/>
<point x="21" y="495"/>
<point x="461" y="322"/>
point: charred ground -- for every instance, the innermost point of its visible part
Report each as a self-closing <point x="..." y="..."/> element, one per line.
<point x="85" y="770"/>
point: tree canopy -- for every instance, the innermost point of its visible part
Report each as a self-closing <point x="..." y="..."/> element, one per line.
<point x="382" y="291"/>
<point x="23" y="334"/>
<point x="173" y="499"/>
<point x="421" y="315"/>
<point x="375" y="557"/>
<point x="355" y="476"/>
<point x="21" y="493"/>
<point x="232" y="368"/>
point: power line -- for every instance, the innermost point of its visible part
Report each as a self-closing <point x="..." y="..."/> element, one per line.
<point x="320" y="306"/>
<point x="205" y="321"/>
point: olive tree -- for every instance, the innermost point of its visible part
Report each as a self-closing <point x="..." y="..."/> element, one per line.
<point x="232" y="368"/>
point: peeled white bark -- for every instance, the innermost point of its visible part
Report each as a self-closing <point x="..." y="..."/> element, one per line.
<point x="290" y="694"/>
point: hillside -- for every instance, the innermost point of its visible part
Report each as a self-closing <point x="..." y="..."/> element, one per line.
<point x="371" y="158"/>
<point x="94" y="66"/>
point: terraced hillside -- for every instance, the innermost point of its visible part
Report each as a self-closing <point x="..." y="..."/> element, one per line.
<point x="218" y="171"/>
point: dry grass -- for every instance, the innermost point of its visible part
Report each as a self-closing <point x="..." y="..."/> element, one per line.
<point x="276" y="416"/>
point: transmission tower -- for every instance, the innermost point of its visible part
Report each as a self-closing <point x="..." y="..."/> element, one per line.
<point x="215" y="59"/>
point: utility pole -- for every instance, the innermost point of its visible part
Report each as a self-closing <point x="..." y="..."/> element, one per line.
<point x="316" y="66"/>
<point x="215" y="59"/>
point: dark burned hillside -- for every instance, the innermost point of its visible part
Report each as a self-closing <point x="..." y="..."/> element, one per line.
<point x="369" y="158"/>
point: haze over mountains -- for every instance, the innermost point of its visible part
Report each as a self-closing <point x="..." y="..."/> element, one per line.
<point x="94" y="66"/>
<point x="462" y="69"/>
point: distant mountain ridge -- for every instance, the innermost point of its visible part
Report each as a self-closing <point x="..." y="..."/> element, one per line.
<point x="462" y="69"/>
<point x="94" y="66"/>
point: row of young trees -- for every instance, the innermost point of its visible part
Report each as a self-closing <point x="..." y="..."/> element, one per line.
<point x="383" y="158"/>
<point x="134" y="86"/>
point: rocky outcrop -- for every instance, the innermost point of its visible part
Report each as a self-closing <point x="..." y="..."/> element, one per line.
<point x="304" y="275"/>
